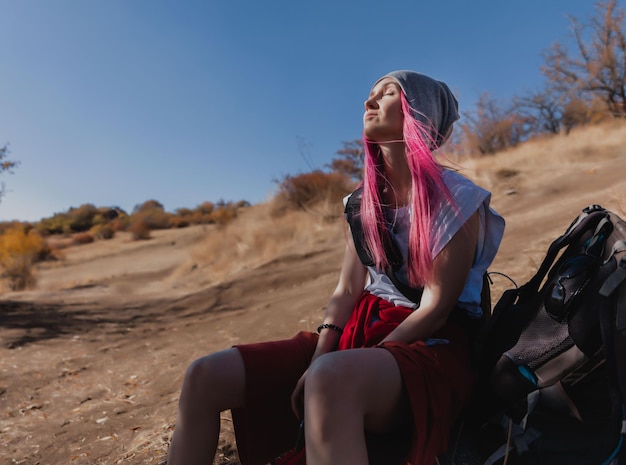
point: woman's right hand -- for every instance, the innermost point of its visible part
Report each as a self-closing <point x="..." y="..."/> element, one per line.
<point x="327" y="342"/>
<point x="297" y="398"/>
<point x="349" y="288"/>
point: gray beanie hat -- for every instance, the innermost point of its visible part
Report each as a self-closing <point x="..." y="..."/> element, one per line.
<point x="432" y="102"/>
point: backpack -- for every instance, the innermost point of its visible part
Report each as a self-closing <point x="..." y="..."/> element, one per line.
<point x="552" y="364"/>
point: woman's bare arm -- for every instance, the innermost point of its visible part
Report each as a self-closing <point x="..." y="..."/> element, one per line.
<point x="450" y="270"/>
<point x="343" y="299"/>
<point x="340" y="306"/>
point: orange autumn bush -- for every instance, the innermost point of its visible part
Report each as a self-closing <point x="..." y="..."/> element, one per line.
<point x="20" y="247"/>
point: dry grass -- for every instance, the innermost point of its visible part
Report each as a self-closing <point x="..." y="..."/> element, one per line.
<point x="258" y="236"/>
<point x="544" y="157"/>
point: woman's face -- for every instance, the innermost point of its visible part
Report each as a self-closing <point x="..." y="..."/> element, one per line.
<point x="382" y="121"/>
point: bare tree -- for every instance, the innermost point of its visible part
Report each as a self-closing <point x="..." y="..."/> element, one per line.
<point x="350" y="160"/>
<point x="493" y="127"/>
<point x="599" y="66"/>
<point x="553" y="111"/>
<point x="544" y="110"/>
<point x="5" y="166"/>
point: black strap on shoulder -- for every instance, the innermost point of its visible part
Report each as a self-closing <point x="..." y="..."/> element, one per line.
<point x="353" y="216"/>
<point x="411" y="293"/>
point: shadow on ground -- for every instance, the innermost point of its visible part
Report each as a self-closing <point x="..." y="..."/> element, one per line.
<point x="24" y="322"/>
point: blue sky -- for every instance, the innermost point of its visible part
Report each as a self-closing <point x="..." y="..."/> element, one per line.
<point x="115" y="102"/>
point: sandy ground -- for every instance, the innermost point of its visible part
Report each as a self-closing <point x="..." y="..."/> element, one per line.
<point x="92" y="360"/>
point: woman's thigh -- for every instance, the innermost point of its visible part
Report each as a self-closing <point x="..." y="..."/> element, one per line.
<point x="365" y="382"/>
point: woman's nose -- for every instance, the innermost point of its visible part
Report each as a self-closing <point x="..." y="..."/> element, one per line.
<point x="370" y="103"/>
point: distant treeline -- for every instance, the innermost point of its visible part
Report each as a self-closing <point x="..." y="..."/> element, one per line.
<point x="22" y="244"/>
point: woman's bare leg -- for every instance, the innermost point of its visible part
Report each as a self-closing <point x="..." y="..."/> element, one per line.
<point x="346" y="393"/>
<point x="212" y="384"/>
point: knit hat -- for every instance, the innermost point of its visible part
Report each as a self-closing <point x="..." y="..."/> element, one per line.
<point x="432" y="102"/>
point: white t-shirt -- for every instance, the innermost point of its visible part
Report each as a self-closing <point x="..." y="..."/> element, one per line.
<point x="447" y="221"/>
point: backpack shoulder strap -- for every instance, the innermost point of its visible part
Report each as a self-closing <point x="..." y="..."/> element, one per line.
<point x="411" y="293"/>
<point x="516" y="306"/>
<point x="485" y="297"/>
<point x="586" y="221"/>
<point x="612" y="314"/>
<point x="613" y="326"/>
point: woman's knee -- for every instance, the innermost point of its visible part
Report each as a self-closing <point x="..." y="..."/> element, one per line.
<point x="330" y="376"/>
<point x="217" y="379"/>
<point x="364" y="383"/>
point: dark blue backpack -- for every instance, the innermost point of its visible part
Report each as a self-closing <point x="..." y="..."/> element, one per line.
<point x="553" y="358"/>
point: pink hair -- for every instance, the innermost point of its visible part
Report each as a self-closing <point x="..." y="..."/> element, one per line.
<point x="428" y="189"/>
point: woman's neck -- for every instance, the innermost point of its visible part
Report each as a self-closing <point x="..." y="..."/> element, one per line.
<point x="400" y="183"/>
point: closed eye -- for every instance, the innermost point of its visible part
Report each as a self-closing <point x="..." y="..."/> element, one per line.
<point x="390" y="89"/>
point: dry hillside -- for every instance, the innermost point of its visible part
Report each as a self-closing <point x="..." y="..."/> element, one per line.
<point x="92" y="359"/>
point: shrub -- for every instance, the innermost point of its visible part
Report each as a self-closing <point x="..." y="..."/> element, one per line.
<point x="184" y="212"/>
<point x="139" y="229"/>
<point x="200" y="218"/>
<point x="155" y="219"/>
<point x="57" y="224"/>
<point x="223" y="215"/>
<point x="202" y="214"/>
<point x="20" y="247"/>
<point x="47" y="252"/>
<point x="102" y="231"/>
<point x="121" y="223"/>
<point x="242" y="204"/>
<point x="205" y="208"/>
<point x="306" y="190"/>
<point x="149" y="205"/>
<point x="81" y="218"/>
<point x="153" y="214"/>
<point x="179" y="221"/>
<point x="82" y="238"/>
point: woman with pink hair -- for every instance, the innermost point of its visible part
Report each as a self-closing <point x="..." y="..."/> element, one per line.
<point x="389" y="369"/>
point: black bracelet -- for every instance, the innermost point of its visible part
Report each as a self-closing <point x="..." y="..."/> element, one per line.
<point x="329" y="326"/>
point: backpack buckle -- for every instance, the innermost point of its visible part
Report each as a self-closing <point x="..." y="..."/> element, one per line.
<point x="594" y="207"/>
<point x="569" y="285"/>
